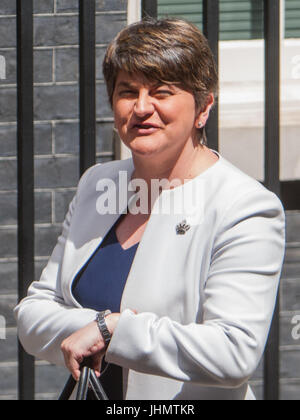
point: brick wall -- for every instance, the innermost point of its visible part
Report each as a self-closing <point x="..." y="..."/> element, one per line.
<point x="56" y="149"/>
<point x="56" y="175"/>
<point x="289" y="310"/>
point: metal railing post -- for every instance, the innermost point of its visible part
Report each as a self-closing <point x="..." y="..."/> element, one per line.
<point x="211" y="24"/>
<point x="25" y="150"/>
<point x="272" y="169"/>
<point x="87" y="66"/>
<point x="149" y="9"/>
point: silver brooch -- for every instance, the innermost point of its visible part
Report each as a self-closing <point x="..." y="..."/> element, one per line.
<point x="182" y="228"/>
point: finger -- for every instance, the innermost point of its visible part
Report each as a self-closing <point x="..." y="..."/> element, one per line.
<point x="96" y="362"/>
<point x="73" y="366"/>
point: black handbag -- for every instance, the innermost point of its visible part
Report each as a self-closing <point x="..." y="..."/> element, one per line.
<point x="88" y="384"/>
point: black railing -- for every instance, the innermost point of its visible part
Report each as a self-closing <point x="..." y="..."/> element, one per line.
<point x="25" y="176"/>
<point x="211" y="26"/>
<point x="87" y="83"/>
<point x="288" y="190"/>
<point x="272" y="168"/>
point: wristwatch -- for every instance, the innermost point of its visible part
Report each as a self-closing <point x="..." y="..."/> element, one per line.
<point x="100" y="318"/>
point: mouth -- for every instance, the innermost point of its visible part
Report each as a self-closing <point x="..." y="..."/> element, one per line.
<point x="145" y="128"/>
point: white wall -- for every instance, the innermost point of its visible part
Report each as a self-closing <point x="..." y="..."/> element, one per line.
<point x="242" y="106"/>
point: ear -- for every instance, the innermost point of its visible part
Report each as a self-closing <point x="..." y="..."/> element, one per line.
<point x="204" y="114"/>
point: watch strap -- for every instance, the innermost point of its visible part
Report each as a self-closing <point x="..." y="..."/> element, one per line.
<point x="100" y="318"/>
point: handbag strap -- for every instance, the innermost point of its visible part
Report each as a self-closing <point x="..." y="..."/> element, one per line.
<point x="88" y="379"/>
<point x="97" y="387"/>
<point x="83" y="384"/>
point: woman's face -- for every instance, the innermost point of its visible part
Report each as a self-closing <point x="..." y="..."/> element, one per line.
<point x="153" y="118"/>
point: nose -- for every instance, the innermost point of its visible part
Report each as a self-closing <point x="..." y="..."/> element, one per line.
<point x="143" y="105"/>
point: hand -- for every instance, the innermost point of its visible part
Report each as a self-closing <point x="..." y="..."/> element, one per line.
<point x="87" y="342"/>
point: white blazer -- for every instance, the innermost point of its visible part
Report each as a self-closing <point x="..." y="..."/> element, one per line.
<point x="205" y="299"/>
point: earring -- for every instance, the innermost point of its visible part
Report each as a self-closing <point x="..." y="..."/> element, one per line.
<point x="200" y="124"/>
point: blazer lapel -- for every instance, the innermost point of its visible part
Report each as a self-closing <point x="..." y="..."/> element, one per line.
<point x="89" y="227"/>
<point x="162" y="249"/>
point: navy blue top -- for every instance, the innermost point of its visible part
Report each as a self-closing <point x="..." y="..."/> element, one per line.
<point x="102" y="279"/>
<point x="99" y="285"/>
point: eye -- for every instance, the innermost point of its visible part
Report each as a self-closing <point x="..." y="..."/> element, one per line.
<point x="163" y="93"/>
<point x="127" y="92"/>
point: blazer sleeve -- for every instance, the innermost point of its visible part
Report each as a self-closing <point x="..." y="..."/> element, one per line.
<point x="239" y="298"/>
<point x="44" y="319"/>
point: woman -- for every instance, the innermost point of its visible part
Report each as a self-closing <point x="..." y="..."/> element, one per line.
<point x="187" y="256"/>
